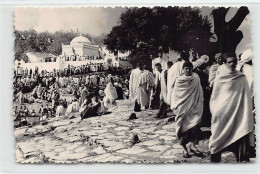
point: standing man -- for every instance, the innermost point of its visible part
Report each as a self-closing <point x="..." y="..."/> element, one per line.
<point x="231" y="108"/>
<point x="133" y="85"/>
<point x="155" y="103"/>
<point x="214" y="68"/>
<point x="173" y="73"/>
<point x="187" y="105"/>
<point x="163" y="96"/>
<point x="155" y="61"/>
<point x="146" y="83"/>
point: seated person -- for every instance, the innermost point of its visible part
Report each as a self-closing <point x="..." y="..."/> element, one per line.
<point x="84" y="107"/>
<point x="75" y="105"/>
<point x="93" y="108"/>
<point x="60" y="109"/>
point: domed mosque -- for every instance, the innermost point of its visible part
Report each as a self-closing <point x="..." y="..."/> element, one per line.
<point x="80" y="46"/>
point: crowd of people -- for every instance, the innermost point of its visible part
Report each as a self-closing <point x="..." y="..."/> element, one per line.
<point x="73" y="58"/>
<point x="91" y="93"/>
<point x="219" y="96"/>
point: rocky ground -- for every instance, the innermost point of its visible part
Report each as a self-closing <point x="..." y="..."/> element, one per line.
<point x="107" y="138"/>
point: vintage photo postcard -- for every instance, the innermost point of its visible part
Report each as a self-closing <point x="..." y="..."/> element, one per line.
<point x="133" y="85"/>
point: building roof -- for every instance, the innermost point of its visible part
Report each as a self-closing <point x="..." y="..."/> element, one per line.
<point x="80" y="40"/>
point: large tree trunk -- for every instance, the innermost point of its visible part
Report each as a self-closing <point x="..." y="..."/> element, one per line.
<point x="228" y="37"/>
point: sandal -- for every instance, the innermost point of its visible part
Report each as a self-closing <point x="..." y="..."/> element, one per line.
<point x="186" y="155"/>
<point x="197" y="153"/>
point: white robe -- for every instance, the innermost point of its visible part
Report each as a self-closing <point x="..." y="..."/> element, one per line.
<point x="146" y="83"/>
<point x="133" y="83"/>
<point x="173" y="73"/>
<point x="154" y="62"/>
<point x="212" y="74"/>
<point x="110" y="92"/>
<point x="187" y="102"/>
<point x="60" y="110"/>
<point x="163" y="95"/>
<point x="231" y="108"/>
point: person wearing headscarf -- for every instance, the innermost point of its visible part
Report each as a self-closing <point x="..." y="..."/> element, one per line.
<point x="214" y="68"/>
<point x="110" y="92"/>
<point x="187" y="105"/>
<point x="84" y="95"/>
<point x="245" y="66"/>
<point x="231" y="109"/>
<point x="146" y="83"/>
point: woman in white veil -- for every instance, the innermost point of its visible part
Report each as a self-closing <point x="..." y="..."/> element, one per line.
<point x="110" y="92"/>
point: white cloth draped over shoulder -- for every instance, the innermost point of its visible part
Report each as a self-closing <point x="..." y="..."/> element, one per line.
<point x="163" y="95"/>
<point x="173" y="73"/>
<point x="231" y="108"/>
<point x="187" y="102"/>
<point x="133" y="83"/>
<point x="146" y="83"/>
<point x="212" y="74"/>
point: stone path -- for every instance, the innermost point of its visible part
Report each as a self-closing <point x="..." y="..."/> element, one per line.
<point x="106" y="138"/>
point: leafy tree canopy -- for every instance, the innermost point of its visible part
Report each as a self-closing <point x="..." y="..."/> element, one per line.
<point x="46" y="42"/>
<point x="149" y="31"/>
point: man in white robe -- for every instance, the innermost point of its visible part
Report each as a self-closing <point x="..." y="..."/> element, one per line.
<point x="173" y="73"/>
<point x="187" y="105"/>
<point x="163" y="95"/>
<point x="162" y="58"/>
<point x="155" y="102"/>
<point x="231" y="108"/>
<point x="245" y="66"/>
<point x="146" y="83"/>
<point x="155" y="61"/>
<point x="214" y="68"/>
<point x="133" y="86"/>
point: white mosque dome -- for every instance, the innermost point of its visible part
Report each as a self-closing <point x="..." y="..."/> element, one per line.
<point x="80" y="40"/>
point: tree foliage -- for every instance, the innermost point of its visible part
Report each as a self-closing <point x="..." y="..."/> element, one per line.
<point x="46" y="42"/>
<point x="148" y="31"/>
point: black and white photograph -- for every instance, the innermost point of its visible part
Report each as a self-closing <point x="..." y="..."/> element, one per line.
<point x="157" y="84"/>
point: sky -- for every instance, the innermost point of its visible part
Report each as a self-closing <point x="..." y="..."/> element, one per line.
<point x="92" y="20"/>
<point x="98" y="20"/>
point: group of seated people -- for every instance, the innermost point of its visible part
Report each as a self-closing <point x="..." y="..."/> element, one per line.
<point x="102" y="89"/>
